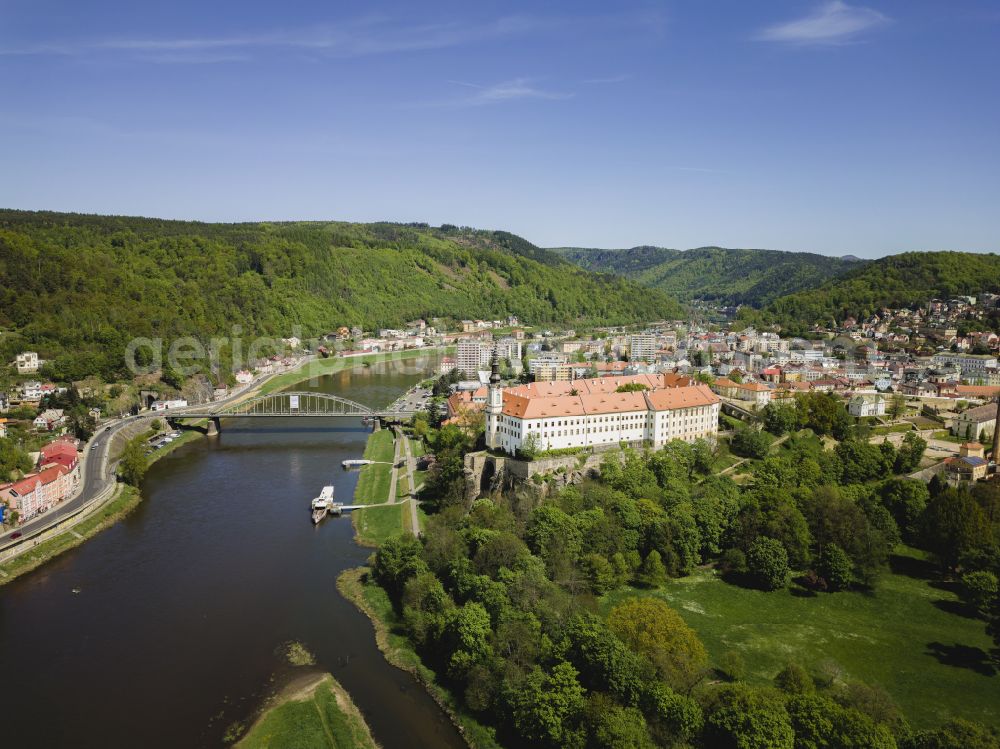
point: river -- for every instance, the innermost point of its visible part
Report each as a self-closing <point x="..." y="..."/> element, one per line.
<point x="183" y="607"/>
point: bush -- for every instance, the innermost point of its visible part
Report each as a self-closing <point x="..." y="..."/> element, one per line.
<point x="733" y="665"/>
<point x="750" y="443"/>
<point x="767" y="563"/>
<point x="779" y="420"/>
<point x="733" y="562"/>
<point x="795" y="680"/>
<point x="979" y="589"/>
<point x="835" y="567"/>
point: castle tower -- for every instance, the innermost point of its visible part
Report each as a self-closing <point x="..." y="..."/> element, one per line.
<point x="494" y="404"/>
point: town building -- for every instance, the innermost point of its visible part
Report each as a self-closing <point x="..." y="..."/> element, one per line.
<point x="970" y="465"/>
<point x="976" y="423"/>
<point x="642" y="347"/>
<point x="553" y="371"/>
<point x="27" y="362"/>
<point x="39" y="492"/>
<point x="31" y="392"/>
<point x="508" y="348"/>
<point x="49" y="419"/>
<point x="973" y="367"/>
<point x="866" y="404"/>
<point x="756" y="393"/>
<point x="167" y="404"/>
<point x="471" y="356"/>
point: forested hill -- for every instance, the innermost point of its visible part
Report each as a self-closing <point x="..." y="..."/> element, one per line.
<point x="80" y="284"/>
<point x="730" y="276"/>
<point x="904" y="280"/>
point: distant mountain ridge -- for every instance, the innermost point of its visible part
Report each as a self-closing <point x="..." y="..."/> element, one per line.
<point x="906" y="280"/>
<point x="725" y="275"/>
<point x="76" y="288"/>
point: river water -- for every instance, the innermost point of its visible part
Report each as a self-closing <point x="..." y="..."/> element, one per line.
<point x="183" y="607"/>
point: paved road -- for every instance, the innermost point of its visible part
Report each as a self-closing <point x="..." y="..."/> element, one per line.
<point x="394" y="472"/>
<point x="95" y="472"/>
<point x="414" y="399"/>
<point x="410" y="465"/>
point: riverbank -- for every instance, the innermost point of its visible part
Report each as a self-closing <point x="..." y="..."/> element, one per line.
<point x="373" y="602"/>
<point x="113" y="509"/>
<point x="373" y="526"/>
<point x="313" y="711"/>
<point x="320" y="367"/>
<point x="188" y="435"/>
<point x="125" y="499"/>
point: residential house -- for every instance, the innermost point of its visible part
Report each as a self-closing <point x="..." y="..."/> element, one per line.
<point x="49" y="419"/>
<point x="27" y="362"/>
<point x="38" y="492"/>
<point x="31" y="392"/>
<point x="756" y="393"/>
<point x="970" y="465"/>
<point x="866" y="404"/>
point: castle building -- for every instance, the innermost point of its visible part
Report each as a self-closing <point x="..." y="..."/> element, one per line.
<point x="598" y="412"/>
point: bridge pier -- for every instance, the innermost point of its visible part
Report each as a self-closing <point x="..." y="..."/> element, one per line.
<point x="214" y="427"/>
<point x="376" y="423"/>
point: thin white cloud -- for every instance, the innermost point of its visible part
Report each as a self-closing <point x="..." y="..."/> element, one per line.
<point x="834" y="22"/>
<point x="506" y="91"/>
<point x="373" y="35"/>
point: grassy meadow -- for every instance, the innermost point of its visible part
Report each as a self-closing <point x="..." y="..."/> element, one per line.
<point x="910" y="636"/>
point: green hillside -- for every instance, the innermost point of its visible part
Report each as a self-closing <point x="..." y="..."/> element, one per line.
<point x="81" y="286"/>
<point x="909" y="279"/>
<point x="729" y="276"/>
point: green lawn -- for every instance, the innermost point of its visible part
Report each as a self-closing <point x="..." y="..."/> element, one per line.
<point x="381" y="446"/>
<point x="402" y="485"/>
<point x="725" y="458"/>
<point x="373" y="483"/>
<point x="376" y="524"/>
<point x="903" y="637"/>
<point x="894" y="429"/>
<point x="314" y="721"/>
<point x="946" y="436"/>
<point x="729" y="422"/>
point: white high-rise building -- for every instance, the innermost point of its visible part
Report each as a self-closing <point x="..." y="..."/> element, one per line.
<point x="471" y="356"/>
<point x="641" y="347"/>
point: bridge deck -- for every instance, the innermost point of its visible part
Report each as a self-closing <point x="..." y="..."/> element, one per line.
<point x="273" y="414"/>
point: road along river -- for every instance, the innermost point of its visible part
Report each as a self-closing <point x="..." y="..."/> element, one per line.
<point x="168" y="627"/>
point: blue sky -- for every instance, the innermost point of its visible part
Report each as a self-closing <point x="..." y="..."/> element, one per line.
<point x="825" y="126"/>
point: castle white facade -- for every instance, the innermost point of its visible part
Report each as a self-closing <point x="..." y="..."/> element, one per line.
<point x="588" y="413"/>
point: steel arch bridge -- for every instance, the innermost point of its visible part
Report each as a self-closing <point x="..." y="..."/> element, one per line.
<point x="289" y="404"/>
